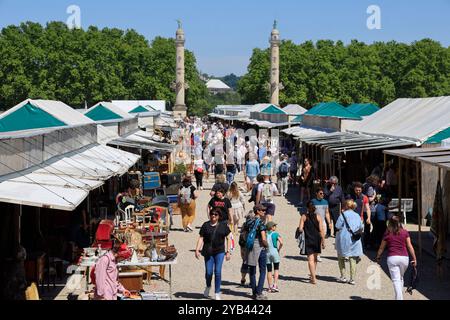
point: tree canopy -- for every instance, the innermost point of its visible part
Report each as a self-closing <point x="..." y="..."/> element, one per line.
<point x="354" y="73"/>
<point x="74" y="66"/>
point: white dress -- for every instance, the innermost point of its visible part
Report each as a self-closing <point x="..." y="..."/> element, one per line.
<point x="237" y="205"/>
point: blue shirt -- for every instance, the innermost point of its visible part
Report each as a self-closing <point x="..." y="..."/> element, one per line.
<point x="321" y="207"/>
<point x="381" y="212"/>
<point x="275" y="236"/>
<point x="345" y="247"/>
<point x="252" y="168"/>
<point x="262" y="153"/>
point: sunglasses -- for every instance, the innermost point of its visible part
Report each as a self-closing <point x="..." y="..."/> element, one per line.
<point x="215" y="214"/>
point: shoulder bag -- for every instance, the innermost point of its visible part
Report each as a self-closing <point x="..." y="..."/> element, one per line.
<point x="355" y="235"/>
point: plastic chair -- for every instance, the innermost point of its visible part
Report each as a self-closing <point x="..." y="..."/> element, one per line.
<point x="128" y="213"/>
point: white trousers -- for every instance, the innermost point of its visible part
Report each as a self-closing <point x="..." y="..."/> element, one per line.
<point x="283" y="185"/>
<point x="397" y="268"/>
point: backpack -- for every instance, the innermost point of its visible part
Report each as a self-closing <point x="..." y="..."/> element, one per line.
<point x="284" y="169"/>
<point x="267" y="193"/>
<point x="252" y="235"/>
<point x="243" y="236"/>
<point x="186" y="195"/>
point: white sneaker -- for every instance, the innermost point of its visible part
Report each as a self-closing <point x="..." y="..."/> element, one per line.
<point x="218" y="297"/>
<point x="319" y="259"/>
<point x="206" y="292"/>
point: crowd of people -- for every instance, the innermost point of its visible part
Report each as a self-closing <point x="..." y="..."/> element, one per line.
<point x="358" y="217"/>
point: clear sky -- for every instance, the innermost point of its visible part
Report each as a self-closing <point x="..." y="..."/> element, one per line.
<point x="223" y="33"/>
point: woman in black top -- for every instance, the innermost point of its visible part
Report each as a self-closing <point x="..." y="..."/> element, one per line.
<point x="219" y="201"/>
<point x="211" y="244"/>
<point x="311" y="225"/>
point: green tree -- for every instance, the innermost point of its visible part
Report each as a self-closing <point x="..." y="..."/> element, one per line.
<point x="74" y="66"/>
<point x="357" y="72"/>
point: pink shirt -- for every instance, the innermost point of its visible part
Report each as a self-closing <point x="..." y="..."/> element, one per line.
<point x="107" y="278"/>
<point x="396" y="243"/>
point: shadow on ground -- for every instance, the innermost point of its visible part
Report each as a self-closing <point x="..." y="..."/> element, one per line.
<point x="188" y="295"/>
<point x="290" y="278"/>
<point x="298" y="258"/>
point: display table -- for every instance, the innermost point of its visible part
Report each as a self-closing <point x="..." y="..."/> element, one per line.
<point x="90" y="263"/>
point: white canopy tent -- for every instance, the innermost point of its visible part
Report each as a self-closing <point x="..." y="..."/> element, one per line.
<point x="408" y="119"/>
<point x="63" y="182"/>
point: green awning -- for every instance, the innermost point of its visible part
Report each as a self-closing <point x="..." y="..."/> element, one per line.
<point x="29" y="117"/>
<point x="139" y="109"/>
<point x="363" y="109"/>
<point x="437" y="138"/>
<point x="273" y="110"/>
<point x="101" y="113"/>
<point x="332" y="109"/>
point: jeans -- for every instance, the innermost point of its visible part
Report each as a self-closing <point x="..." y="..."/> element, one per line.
<point x="397" y="268"/>
<point x="213" y="264"/>
<point x="257" y="290"/>
<point x="230" y="177"/>
<point x="284" y="184"/>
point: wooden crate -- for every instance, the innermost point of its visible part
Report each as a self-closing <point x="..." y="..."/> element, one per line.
<point x="132" y="281"/>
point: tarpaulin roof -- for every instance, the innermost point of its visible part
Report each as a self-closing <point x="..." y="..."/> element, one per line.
<point x="339" y="142"/>
<point x="439" y="137"/>
<point x="139" y="109"/>
<point x="105" y="111"/>
<point x="304" y="132"/>
<point x="298" y="119"/>
<point x="439" y="157"/>
<point x="128" y="105"/>
<point x="294" y="109"/>
<point x="273" y="110"/>
<point x="332" y="109"/>
<point x="410" y="119"/>
<point x="363" y="109"/>
<point x="255" y="108"/>
<point x="266" y="124"/>
<point x="63" y="182"/>
<point x="36" y="114"/>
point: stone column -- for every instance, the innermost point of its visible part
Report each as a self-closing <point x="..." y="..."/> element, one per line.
<point x="180" y="109"/>
<point x="275" y="85"/>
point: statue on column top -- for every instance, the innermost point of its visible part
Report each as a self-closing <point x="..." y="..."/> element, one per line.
<point x="275" y="24"/>
<point x="179" y="23"/>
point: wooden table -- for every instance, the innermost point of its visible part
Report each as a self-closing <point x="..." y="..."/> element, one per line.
<point x="91" y="263"/>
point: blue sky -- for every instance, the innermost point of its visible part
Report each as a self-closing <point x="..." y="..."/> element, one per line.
<point x="223" y="33"/>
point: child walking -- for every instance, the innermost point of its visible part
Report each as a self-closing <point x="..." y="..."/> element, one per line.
<point x="275" y="243"/>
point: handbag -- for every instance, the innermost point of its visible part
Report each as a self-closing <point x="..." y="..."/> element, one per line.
<point x="297" y="233"/>
<point x="355" y="236"/>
